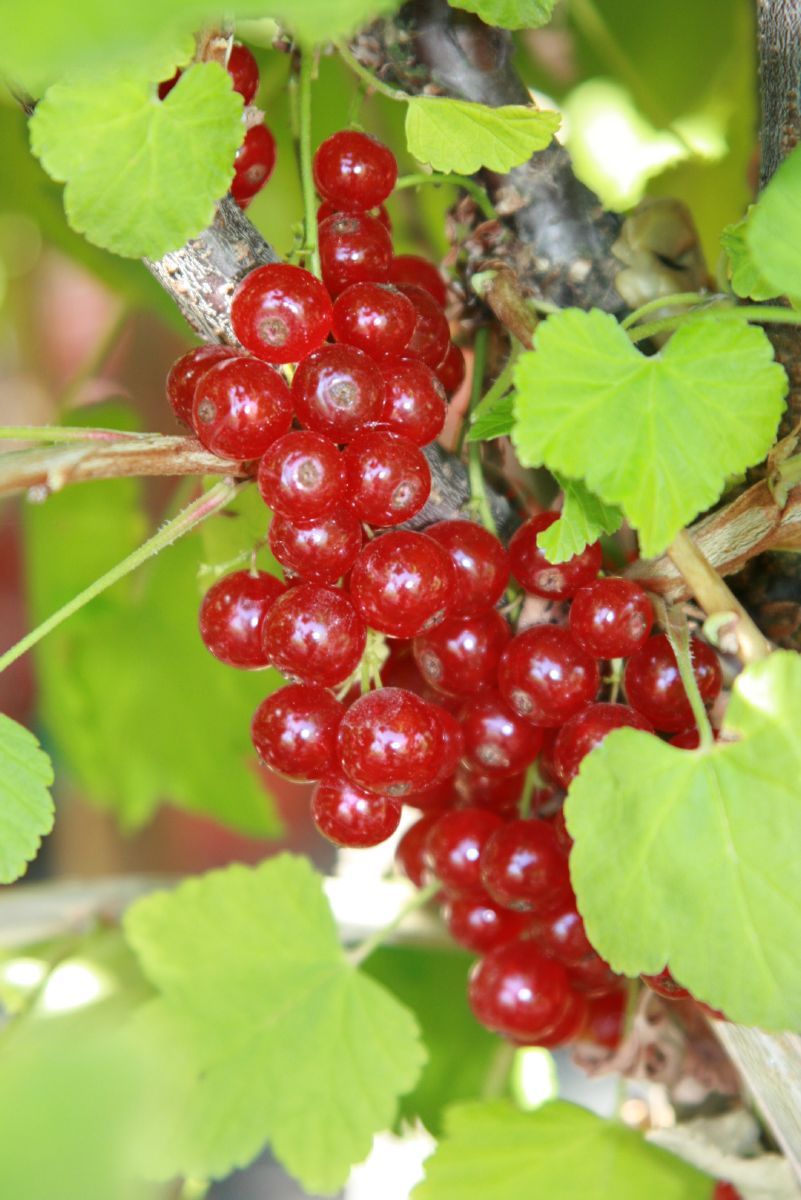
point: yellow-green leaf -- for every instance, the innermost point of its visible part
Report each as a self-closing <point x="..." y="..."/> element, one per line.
<point x="459" y="136"/>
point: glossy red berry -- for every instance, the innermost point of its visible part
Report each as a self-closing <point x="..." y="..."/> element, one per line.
<point x="185" y="375"/>
<point x="480" y="925"/>
<point x="388" y="478"/>
<point x="653" y="685"/>
<point x="409" y="853"/>
<point x="523" y="866"/>
<point x="546" y="677"/>
<point x="689" y="739"/>
<point x="374" y="317"/>
<point x="497" y="740"/>
<point x="232" y="616"/>
<point x="451" y="744"/>
<point x="313" y="634"/>
<point x="354" y="248"/>
<point x="561" y="934"/>
<point x="586" y="730"/>
<point x="401" y="583"/>
<point x="554" y="581"/>
<point x="337" y="391"/>
<point x="254" y="163"/>
<point x="432" y="334"/>
<point x="354" y="170"/>
<point x="411" y="268"/>
<point x="516" y="991"/>
<point x="593" y="976"/>
<point x="302" y="476"/>
<point x="241" y="406"/>
<point x="414" y="400"/>
<point x="295" y="731"/>
<point x="500" y="794"/>
<point x="570" y="1026"/>
<point x="725" y="1191"/>
<point x="605" y="1019"/>
<point x="327" y="208"/>
<point x="451" y="371"/>
<point x="390" y="742"/>
<point x="482" y="566"/>
<point x="281" y="313"/>
<point x="665" y="985"/>
<point x="244" y="71"/>
<point x="611" y="618"/>
<point x="349" y="816"/>
<point x="318" y="551"/>
<point x="460" y="656"/>
<point x="455" y="848"/>
<point x="435" y="798"/>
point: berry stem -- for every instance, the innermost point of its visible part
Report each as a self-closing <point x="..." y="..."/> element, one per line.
<point x="499" y="388"/>
<point x="65" y="433"/>
<point x="207" y="504"/>
<point x="475" y="472"/>
<point x="679" y="637"/>
<point x="496" y="1080"/>
<point x="359" y="953"/>
<point x="375" y="84"/>
<point x="533" y="780"/>
<point x="677" y="300"/>
<point x="309" y="207"/>
<point x="463" y="181"/>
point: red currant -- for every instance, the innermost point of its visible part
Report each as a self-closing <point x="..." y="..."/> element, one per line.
<point x="605" y="1019"/>
<point x="524" y="867"/>
<point x="348" y="816"/>
<point x="500" y="794"/>
<point x="354" y="170"/>
<point x="411" y="268"/>
<point x="460" y="656"/>
<point x="390" y="742"/>
<point x="254" y="163"/>
<point x="482" y="567"/>
<point x="451" y="371"/>
<point x="409" y="854"/>
<point x="295" y="731"/>
<point x="653" y="684"/>
<point x="354" y="248"/>
<point x="497" y="740"/>
<point x="481" y="926"/>
<point x="561" y="934"/>
<point x="725" y="1191"/>
<point x="244" y="71"/>
<point x="401" y="583"/>
<point x="433" y="799"/>
<point x="187" y="372"/>
<point x="515" y="990"/>
<point x="451" y="744"/>
<point x="455" y="848"/>
<point x="241" y="406"/>
<point x="327" y="208"/>
<point x="690" y="739"/>
<point x="665" y="985"/>
<point x="313" y="634"/>
<point x="281" y="313"/>
<point x="337" y="391"/>
<point x="593" y="976"/>
<point x="611" y="618"/>
<point x="432" y="334"/>
<point x="232" y="615"/>
<point x="586" y="730"/>
<point x="554" y="581"/>
<point x="302" y="476"/>
<point x="388" y="477"/>
<point x="545" y="675"/>
<point x="374" y="317"/>
<point x="570" y="1026"/>
<point x="318" y="551"/>
<point x="414" y="400"/>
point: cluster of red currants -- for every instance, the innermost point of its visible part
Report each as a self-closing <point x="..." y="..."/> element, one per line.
<point x="255" y="159"/>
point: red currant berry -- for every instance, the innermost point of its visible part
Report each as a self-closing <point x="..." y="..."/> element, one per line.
<point x="545" y="675"/>
<point x="455" y="848"/>
<point x="559" y="826"/>
<point x="411" y="268"/>
<point x="390" y="742"/>
<point x="481" y="926"/>
<point x="482" y="567"/>
<point x="354" y="170"/>
<point x="665" y="985"/>
<point x="244" y="71"/>
<point x="605" y="1019"/>
<point x="497" y="740"/>
<point x="568" y="1029"/>
<point x="611" y="618"/>
<point x="451" y="744"/>
<point x="451" y="371"/>
<point x="281" y="313"/>
<point x="401" y="583"/>
<point x="586" y="730"/>
<point x="561" y="934"/>
<point x="328" y="209"/>
<point x="388" y="477"/>
<point x="313" y="634"/>
<point x="348" y="816"/>
<point x="414" y="400"/>
<point x="690" y="739"/>
<point x="166" y="85"/>
<point x="254" y="163"/>
<point x="409" y="853"/>
<point x="554" y="581"/>
<point x="433" y="799"/>
<point x="241" y="406"/>
<point x="524" y="867"/>
<point x="432" y="334"/>
<point x="593" y="976"/>
<point x="302" y="476"/>
<point x="337" y="391"/>
<point x="460" y="656"/>
<point x="295" y="731"/>
<point x="374" y="317"/>
<point x="232" y="615"/>
<point x="500" y="794"/>
<point x="725" y="1191"/>
<point x="354" y="248"/>
<point x="515" y="990"/>
<point x="319" y="551"/>
<point x="653" y="684"/>
<point x="187" y="372"/>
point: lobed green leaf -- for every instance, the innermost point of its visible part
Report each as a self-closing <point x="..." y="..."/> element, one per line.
<point x="26" y="807"/>
<point x="509" y="14"/>
<point x="460" y="136"/>
<point x="492" y="420"/>
<point x="746" y="280"/>
<point x="773" y="232"/>
<point x="584" y="517"/>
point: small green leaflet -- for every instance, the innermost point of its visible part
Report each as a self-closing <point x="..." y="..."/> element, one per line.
<point x="142" y="174"/>
<point x="657" y="436"/>
<point x="459" y="136"/>
<point x="746" y="280"/>
<point x="492" y="420"/>
<point x="706" y="846"/>
<point x="509" y="14"/>
<point x="583" y="519"/>
<point x="773" y="234"/>
<point x="282" y="1040"/>
<point x="26" y="808"/>
<point x="560" y="1150"/>
<point x="317" y="21"/>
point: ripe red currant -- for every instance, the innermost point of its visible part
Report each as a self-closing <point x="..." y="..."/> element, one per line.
<point x="313" y="634"/>
<point x="497" y="740"/>
<point x="545" y="675"/>
<point x="653" y="685"/>
<point x="523" y="866"/>
<point x="460" y="656"/>
<point x="401" y="583"/>
<point x="349" y="816"/>
<point x="499" y="793"/>
<point x="327" y="208"/>
<point x="593" y="976"/>
<point x="482" y="567"/>
<point x="554" y="581"/>
<point x="432" y="334"/>
<point x="451" y="744"/>
<point x="409" y="854"/>
<point x="561" y="934"/>
<point x="232" y="615"/>
<point x="244" y="71"/>
<point x="295" y="731"/>
<point x="611" y="618"/>
<point x="665" y="985"/>
<point x="337" y="391"/>
<point x="390" y="742"/>
<point x="451" y="371"/>
<point x="185" y="374"/>
<point x="302" y="476"/>
<point x="388" y="477"/>
<point x="411" y="268"/>
<point x="241" y="406"/>
<point x="586" y="730"/>
<point x="354" y="170"/>
<point x="254" y="163"/>
<point x="455" y="848"/>
<point x="516" y="991"/>
<point x="374" y="317"/>
<point x="605" y="1019"/>
<point x="480" y="925"/>
<point x="318" y="551"/>
<point x="570" y="1026"/>
<point x="414" y="400"/>
<point x="354" y="248"/>
<point x="281" y="313"/>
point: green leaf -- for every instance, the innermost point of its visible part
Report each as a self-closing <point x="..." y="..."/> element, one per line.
<point x="559" y="1150"/>
<point x="283" y="1040"/>
<point x="26" y="808"/>
<point x="706" y="846"/>
<point x="773" y="235"/>
<point x="746" y="280"/>
<point x="657" y="436"/>
<point x="142" y="174"/>
<point x="509" y="14"/>
<point x="459" y="136"/>
<point x="583" y="519"/>
<point x="316" y="21"/>
<point x="492" y="420"/>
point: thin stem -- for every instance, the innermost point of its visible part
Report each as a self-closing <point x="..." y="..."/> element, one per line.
<point x="679" y="637"/>
<point x="756" y="314"/>
<point x="463" y="181"/>
<point x="65" y="433"/>
<point x="307" y="182"/>
<point x="677" y="300"/>
<point x="377" y="85"/>
<point x="211" y="502"/>
<point x="475" y="469"/>
<point x="364" y="949"/>
<point x="496" y="1081"/>
<point x="499" y="388"/>
<point x="532" y="781"/>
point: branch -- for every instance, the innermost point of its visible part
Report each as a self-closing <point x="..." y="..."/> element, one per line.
<point x="780" y="81"/>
